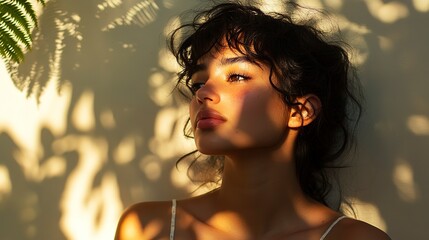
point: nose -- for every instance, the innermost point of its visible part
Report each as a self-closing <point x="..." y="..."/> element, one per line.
<point x="207" y="94"/>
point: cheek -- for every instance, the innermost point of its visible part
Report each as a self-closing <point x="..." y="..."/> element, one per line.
<point x="278" y="110"/>
<point x="265" y="112"/>
<point x="264" y="104"/>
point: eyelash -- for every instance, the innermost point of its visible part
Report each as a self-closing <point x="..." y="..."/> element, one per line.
<point x="194" y="87"/>
<point x="235" y="75"/>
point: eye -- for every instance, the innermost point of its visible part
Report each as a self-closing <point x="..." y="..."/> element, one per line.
<point x="195" y="87"/>
<point x="233" y="77"/>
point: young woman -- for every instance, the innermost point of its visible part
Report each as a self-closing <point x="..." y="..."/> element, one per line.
<point x="270" y="107"/>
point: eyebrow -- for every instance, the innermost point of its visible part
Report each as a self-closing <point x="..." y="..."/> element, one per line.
<point x="226" y="61"/>
<point x="229" y="61"/>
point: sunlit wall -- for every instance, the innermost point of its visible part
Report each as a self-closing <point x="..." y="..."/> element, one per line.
<point x="89" y="126"/>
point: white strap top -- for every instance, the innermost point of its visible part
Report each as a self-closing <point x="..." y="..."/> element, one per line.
<point x="331" y="226"/>
<point x="173" y="222"/>
<point x="173" y="219"/>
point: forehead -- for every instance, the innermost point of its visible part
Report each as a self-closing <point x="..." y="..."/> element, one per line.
<point x="220" y="53"/>
<point x="225" y="46"/>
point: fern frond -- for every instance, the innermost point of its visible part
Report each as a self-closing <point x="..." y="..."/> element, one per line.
<point x="17" y="20"/>
<point x="43" y="2"/>
<point x="29" y="10"/>
<point x="9" y="47"/>
<point x="17" y="32"/>
<point x="16" y="13"/>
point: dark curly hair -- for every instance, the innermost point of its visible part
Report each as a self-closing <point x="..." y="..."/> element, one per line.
<point x="303" y="60"/>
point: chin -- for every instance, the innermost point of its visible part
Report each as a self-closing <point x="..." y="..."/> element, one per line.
<point x="215" y="149"/>
<point x="210" y="151"/>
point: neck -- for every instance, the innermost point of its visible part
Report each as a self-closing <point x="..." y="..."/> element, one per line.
<point x="261" y="173"/>
<point x="261" y="191"/>
<point x="260" y="196"/>
<point x="259" y="179"/>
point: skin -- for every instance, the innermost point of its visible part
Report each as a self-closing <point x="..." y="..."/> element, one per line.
<point x="260" y="197"/>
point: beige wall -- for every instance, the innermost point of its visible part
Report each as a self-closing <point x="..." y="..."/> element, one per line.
<point x="71" y="160"/>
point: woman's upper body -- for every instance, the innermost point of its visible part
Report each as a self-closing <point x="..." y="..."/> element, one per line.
<point x="204" y="217"/>
<point x="269" y="103"/>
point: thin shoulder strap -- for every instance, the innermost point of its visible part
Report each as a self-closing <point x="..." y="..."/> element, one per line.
<point x="332" y="226"/>
<point x="173" y="219"/>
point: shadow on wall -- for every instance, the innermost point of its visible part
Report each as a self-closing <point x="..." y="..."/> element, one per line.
<point x="93" y="148"/>
<point x="111" y="134"/>
<point x="394" y="133"/>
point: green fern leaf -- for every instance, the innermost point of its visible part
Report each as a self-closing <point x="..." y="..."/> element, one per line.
<point x="17" y="32"/>
<point x="29" y="10"/>
<point x="9" y="47"/>
<point x="17" y="20"/>
<point x="17" y="14"/>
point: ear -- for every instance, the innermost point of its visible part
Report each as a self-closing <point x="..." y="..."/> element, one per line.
<point x="305" y="112"/>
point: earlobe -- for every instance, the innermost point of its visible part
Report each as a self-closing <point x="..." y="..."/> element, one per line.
<point x="305" y="112"/>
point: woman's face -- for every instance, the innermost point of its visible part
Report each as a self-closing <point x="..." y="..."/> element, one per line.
<point x="235" y="108"/>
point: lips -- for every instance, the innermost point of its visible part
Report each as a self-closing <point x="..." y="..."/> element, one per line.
<point x="208" y="119"/>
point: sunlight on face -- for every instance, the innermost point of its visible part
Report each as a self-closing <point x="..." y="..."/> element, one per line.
<point x="236" y="97"/>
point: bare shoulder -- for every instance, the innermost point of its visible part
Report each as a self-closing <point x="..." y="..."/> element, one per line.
<point x="146" y="220"/>
<point x="352" y="229"/>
